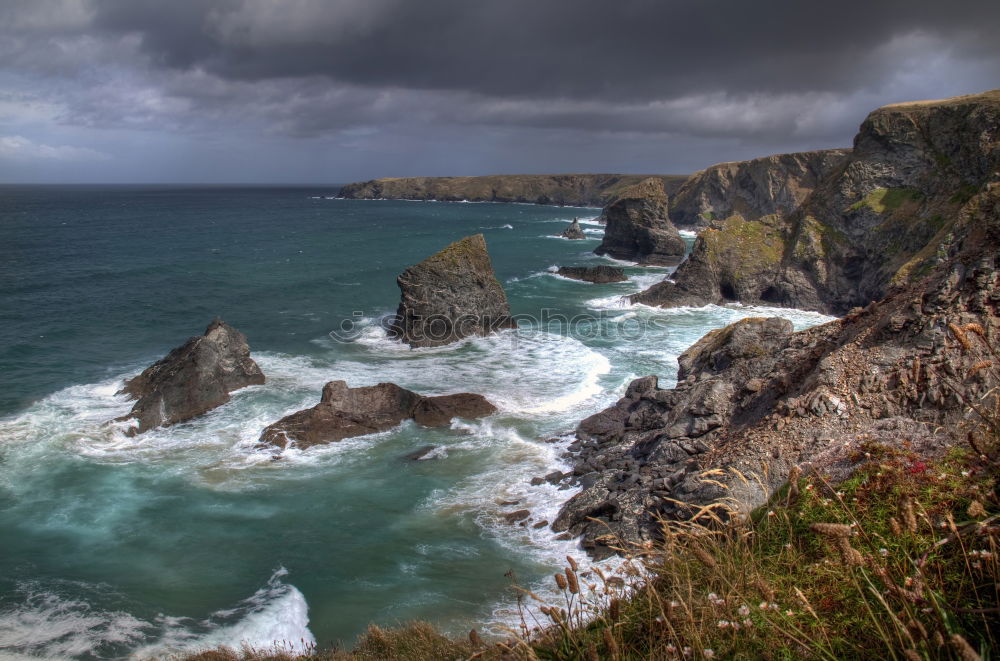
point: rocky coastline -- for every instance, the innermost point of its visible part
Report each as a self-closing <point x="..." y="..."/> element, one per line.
<point x="548" y="189"/>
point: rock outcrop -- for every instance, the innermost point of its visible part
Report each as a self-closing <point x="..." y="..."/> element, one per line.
<point x="556" y="189"/>
<point x="751" y="189"/>
<point x="345" y="412"/>
<point x="451" y="295"/>
<point x="755" y="399"/>
<point x="881" y="217"/>
<point x="597" y="274"/>
<point x="574" y="231"/>
<point x="638" y="228"/>
<point x="192" y="379"/>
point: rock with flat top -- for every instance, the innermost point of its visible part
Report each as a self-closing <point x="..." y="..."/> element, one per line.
<point x="638" y="228"/>
<point x="344" y="412"/>
<point x="597" y="274"/>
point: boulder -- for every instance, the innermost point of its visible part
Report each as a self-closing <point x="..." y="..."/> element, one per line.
<point x="596" y="274"/>
<point x="638" y="228"/>
<point x="439" y="411"/>
<point x="344" y="412"/>
<point x="574" y="231"/>
<point x="451" y="295"/>
<point x="192" y="379"/>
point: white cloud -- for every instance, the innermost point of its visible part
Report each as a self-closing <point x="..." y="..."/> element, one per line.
<point x="17" y="146"/>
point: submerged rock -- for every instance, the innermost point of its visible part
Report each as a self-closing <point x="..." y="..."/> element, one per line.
<point x="192" y="379"/>
<point x="638" y="228"/>
<point x="574" y="231"/>
<point x="597" y="274"/>
<point x="451" y="295"/>
<point x="344" y="412"/>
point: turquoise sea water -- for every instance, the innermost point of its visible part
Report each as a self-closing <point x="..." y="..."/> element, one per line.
<point x="189" y="536"/>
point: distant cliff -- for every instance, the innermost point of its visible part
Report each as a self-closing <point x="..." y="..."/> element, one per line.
<point x="881" y="217"/>
<point x="556" y="189"/>
<point x="751" y="189"/>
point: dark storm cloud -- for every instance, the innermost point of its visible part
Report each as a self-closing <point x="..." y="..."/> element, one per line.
<point x="586" y="83"/>
<point x="634" y="50"/>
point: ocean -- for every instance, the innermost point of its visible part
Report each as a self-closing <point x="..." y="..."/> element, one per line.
<point x="190" y="536"/>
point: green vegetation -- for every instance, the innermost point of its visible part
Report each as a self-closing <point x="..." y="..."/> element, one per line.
<point x="883" y="200"/>
<point x="743" y="248"/>
<point x="708" y="216"/>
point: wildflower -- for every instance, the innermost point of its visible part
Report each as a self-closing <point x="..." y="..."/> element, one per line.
<point x="883" y="552"/>
<point x="763" y="606"/>
<point x="809" y="487"/>
<point x="709" y="653"/>
<point x="671" y="649"/>
<point x="789" y="613"/>
<point x="686" y="651"/>
<point x="966" y="473"/>
<point x="770" y="512"/>
<point x="744" y="610"/>
<point x="723" y="624"/>
<point x="748" y="622"/>
<point x="675" y="604"/>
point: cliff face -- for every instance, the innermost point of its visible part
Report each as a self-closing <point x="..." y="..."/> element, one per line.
<point x="880" y="218"/>
<point x="560" y="189"/>
<point x="755" y="399"/>
<point x="751" y="189"/>
<point x="638" y="228"/>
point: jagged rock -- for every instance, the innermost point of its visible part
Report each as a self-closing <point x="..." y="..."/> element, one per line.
<point x="597" y="274"/>
<point x="192" y="379"/>
<point x="560" y="189"/>
<point x="345" y="412"/>
<point x="638" y="228"/>
<point x="880" y="216"/>
<point x="451" y="295"/>
<point x="574" y="231"/>
<point x="755" y="398"/>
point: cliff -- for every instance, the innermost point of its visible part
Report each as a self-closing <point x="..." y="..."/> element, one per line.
<point x="751" y="189"/>
<point x="755" y="399"/>
<point x="879" y="218"/>
<point x="558" y="189"/>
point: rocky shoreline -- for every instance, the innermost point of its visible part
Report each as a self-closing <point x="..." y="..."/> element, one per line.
<point x="549" y="189"/>
<point x="754" y="401"/>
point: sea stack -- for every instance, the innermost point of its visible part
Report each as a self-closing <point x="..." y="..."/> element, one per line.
<point x="574" y="231"/>
<point x="451" y="295"/>
<point x="638" y="228"/>
<point x="344" y="412"/>
<point x="193" y="379"/>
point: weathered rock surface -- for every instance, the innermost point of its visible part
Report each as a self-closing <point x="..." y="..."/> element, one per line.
<point x="451" y="295"/>
<point x="345" y="412"/>
<point x="596" y="274"/>
<point x="192" y="379"/>
<point x="557" y="189"/>
<point x="757" y="398"/>
<point x="751" y="189"/>
<point x="638" y="228"/>
<point x="574" y="231"/>
<point x="880" y="218"/>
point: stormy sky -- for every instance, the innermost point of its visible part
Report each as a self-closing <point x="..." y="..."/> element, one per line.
<point x="325" y="91"/>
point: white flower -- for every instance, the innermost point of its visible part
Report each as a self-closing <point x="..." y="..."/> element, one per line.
<point x="709" y="653"/>
<point x="789" y="613"/>
<point x="744" y="610"/>
<point x="723" y="624"/>
<point x="883" y="552"/>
